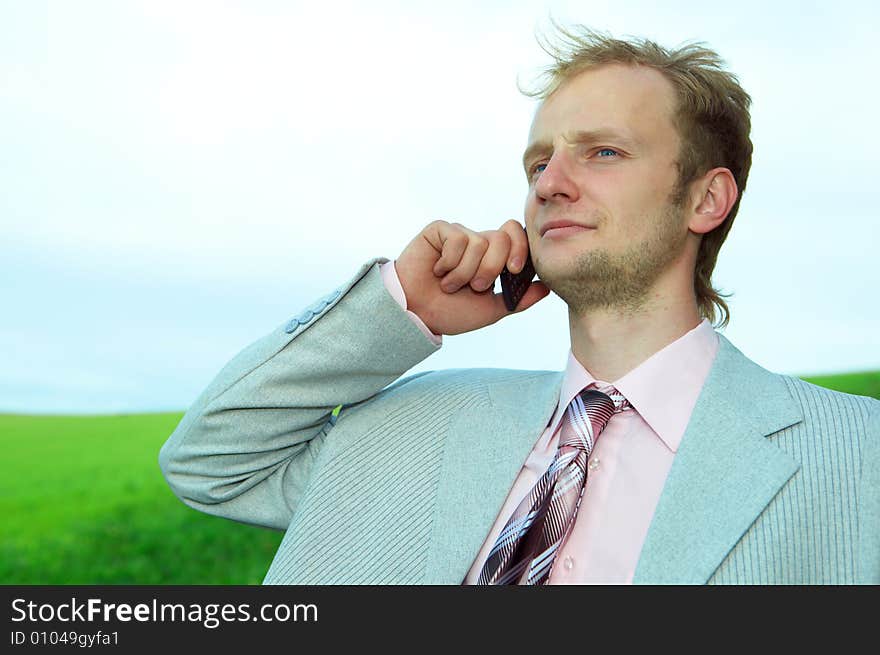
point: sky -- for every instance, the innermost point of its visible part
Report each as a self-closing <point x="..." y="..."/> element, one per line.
<point x="180" y="178"/>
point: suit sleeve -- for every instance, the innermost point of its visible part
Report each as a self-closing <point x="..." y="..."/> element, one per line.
<point x="244" y="449"/>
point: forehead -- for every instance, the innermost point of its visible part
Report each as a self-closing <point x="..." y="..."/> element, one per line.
<point x="634" y="100"/>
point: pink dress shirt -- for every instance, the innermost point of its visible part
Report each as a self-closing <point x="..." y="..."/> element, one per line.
<point x="629" y="463"/>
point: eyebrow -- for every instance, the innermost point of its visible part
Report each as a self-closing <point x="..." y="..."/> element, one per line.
<point x="579" y="136"/>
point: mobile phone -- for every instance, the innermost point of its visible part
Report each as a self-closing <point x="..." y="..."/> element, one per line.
<point x="514" y="286"/>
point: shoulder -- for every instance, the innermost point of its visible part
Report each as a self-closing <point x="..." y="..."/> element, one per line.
<point x="462" y="383"/>
<point x="772" y="392"/>
<point x="460" y="387"/>
<point x="467" y="380"/>
<point x="833" y="407"/>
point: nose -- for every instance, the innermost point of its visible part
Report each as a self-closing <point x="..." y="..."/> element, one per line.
<point x="555" y="183"/>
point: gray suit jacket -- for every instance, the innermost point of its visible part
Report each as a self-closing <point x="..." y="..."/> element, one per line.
<point x="776" y="480"/>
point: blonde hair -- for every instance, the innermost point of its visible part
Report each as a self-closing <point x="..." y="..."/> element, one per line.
<point x="711" y="116"/>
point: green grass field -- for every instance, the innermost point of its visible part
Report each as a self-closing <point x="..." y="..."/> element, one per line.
<point x="83" y="502"/>
<point x="861" y="384"/>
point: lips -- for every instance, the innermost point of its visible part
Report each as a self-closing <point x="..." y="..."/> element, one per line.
<point x="553" y="225"/>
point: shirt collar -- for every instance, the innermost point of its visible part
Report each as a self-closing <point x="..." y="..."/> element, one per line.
<point x="663" y="389"/>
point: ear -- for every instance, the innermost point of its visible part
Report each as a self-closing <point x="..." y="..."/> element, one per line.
<point x="715" y="193"/>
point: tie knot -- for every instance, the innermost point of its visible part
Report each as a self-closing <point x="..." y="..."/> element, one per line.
<point x="589" y="413"/>
<point x="620" y="403"/>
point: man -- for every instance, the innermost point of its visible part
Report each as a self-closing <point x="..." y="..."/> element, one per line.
<point x="660" y="455"/>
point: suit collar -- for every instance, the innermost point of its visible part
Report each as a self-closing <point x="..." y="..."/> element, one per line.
<point x="724" y="474"/>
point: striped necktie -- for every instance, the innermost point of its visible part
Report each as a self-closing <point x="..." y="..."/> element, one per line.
<point x="526" y="548"/>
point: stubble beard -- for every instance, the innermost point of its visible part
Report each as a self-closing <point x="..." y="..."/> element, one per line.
<point x="600" y="279"/>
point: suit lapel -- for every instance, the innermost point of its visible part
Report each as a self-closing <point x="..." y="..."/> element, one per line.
<point x="486" y="446"/>
<point x="725" y="473"/>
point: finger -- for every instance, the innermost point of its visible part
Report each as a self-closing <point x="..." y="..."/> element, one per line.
<point x="470" y="261"/>
<point x="452" y="240"/>
<point x="493" y="260"/>
<point x="519" y="245"/>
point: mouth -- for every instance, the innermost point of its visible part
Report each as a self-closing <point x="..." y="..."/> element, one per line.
<point x="562" y="229"/>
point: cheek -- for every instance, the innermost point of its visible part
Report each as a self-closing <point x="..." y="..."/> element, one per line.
<point x="530" y="204"/>
<point x="630" y="193"/>
<point x="613" y="198"/>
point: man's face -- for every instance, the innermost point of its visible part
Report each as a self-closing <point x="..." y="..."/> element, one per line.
<point x="601" y="154"/>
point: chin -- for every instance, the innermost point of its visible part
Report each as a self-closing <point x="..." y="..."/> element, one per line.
<point x="560" y="259"/>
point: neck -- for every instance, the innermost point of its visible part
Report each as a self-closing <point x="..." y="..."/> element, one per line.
<point x="610" y="342"/>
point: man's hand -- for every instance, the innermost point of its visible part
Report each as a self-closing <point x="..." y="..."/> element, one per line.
<point x="448" y="273"/>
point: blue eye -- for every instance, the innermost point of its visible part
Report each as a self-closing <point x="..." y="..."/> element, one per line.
<point x="537" y="169"/>
<point x="607" y="150"/>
